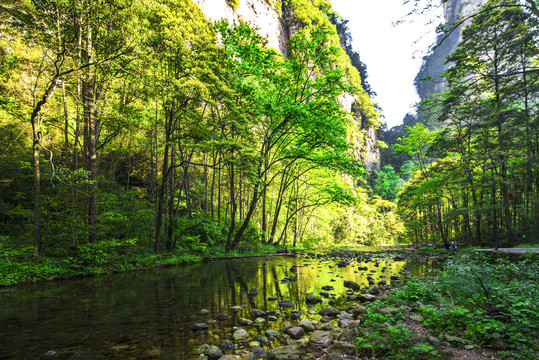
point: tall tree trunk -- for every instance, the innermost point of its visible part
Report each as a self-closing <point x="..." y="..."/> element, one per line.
<point x="171" y="193"/>
<point x="229" y="243"/>
<point x="162" y="188"/>
<point x="89" y="109"/>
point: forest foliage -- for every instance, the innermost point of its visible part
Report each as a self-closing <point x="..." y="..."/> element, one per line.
<point x="143" y="124"/>
<point x="474" y="177"/>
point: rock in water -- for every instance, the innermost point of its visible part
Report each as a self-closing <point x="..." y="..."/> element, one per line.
<point x="289" y="352"/>
<point x="295" y="332"/>
<point x="321" y="339"/>
<point x="221" y="317"/>
<point x="312" y="299"/>
<point x="352" y="285"/>
<point x="257" y="313"/>
<point x="240" y="334"/>
<point x="252" y="292"/>
<point x="286" y="304"/>
<point x="329" y="311"/>
<point x="200" y="327"/>
<point x="213" y="353"/>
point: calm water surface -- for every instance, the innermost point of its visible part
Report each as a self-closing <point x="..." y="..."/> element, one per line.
<point x="149" y="314"/>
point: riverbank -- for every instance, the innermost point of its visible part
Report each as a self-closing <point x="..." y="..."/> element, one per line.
<point x="480" y="307"/>
<point x="18" y="266"/>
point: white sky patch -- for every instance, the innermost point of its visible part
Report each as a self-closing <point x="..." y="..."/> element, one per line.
<point x="393" y="54"/>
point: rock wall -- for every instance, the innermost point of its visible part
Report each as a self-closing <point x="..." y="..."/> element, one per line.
<point x="259" y="13"/>
<point x="434" y="64"/>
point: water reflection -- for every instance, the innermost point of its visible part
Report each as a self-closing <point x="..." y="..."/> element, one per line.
<point x="150" y="314"/>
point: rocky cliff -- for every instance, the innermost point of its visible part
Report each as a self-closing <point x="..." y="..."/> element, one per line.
<point x="434" y="64"/>
<point x="277" y="21"/>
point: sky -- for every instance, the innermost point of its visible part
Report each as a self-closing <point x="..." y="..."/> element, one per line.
<point x="393" y="54"/>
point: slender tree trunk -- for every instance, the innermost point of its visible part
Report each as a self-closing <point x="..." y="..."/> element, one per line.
<point x="162" y="188"/>
<point x="229" y="243"/>
<point x="89" y="107"/>
<point x="171" y="193"/>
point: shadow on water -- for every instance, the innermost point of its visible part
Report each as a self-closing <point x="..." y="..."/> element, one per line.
<point x="150" y="314"/>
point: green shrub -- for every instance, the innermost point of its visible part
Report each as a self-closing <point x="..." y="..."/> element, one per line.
<point x="414" y="291"/>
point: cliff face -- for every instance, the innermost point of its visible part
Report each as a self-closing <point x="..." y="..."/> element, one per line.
<point x="259" y="13"/>
<point x="277" y="26"/>
<point x="434" y="64"/>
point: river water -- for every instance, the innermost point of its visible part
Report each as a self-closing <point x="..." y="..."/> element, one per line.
<point x="149" y="314"/>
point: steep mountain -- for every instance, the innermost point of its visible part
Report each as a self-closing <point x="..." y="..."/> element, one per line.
<point x="428" y="79"/>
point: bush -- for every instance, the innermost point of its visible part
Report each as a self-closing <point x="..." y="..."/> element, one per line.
<point x="414" y="291"/>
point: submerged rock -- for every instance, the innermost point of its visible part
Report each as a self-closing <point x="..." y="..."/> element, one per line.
<point x="200" y="327"/>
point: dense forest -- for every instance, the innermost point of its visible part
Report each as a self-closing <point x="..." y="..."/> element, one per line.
<point x="144" y="127"/>
<point x="135" y="124"/>
<point x="473" y="148"/>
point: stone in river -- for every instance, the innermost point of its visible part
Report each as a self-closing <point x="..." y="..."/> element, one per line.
<point x="307" y="325"/>
<point x="312" y="299"/>
<point x="259" y="352"/>
<point x="200" y="326"/>
<point x="221" y="317"/>
<point x="204" y="311"/>
<point x="244" y="322"/>
<point x="240" y="334"/>
<point x="289" y="352"/>
<point x="213" y="353"/>
<point x="236" y="308"/>
<point x="286" y="304"/>
<point x="274" y="333"/>
<point x="296" y="332"/>
<point x="257" y="313"/>
<point x="226" y="345"/>
<point x="252" y="292"/>
<point x="321" y="339"/>
<point x="329" y="311"/>
<point x="273" y="298"/>
<point x="352" y="285"/>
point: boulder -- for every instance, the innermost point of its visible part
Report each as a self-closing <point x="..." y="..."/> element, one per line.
<point x="226" y="345"/>
<point x="289" y="352"/>
<point x="257" y="313"/>
<point x="307" y="325"/>
<point x="200" y="327"/>
<point x="329" y="311"/>
<point x="221" y="317"/>
<point x="352" y="285"/>
<point x="295" y="332"/>
<point x="286" y="304"/>
<point x="252" y="292"/>
<point x="274" y="333"/>
<point x="213" y="353"/>
<point x="263" y="340"/>
<point x="321" y="339"/>
<point x="342" y="348"/>
<point x="312" y="299"/>
<point x="240" y="335"/>
<point x="259" y="352"/>
<point x="388" y="310"/>
<point x="245" y="322"/>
